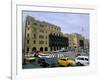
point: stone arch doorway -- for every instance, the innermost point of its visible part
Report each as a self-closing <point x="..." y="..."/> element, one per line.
<point x="41" y="48"/>
<point x="34" y="49"/>
<point x="46" y="49"/>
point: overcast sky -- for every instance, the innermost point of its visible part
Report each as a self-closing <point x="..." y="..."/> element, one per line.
<point x="69" y="22"/>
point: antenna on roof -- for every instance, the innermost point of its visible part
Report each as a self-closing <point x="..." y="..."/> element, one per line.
<point x="82" y="31"/>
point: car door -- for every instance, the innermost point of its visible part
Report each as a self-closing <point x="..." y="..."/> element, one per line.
<point x="64" y="61"/>
<point x="86" y="61"/>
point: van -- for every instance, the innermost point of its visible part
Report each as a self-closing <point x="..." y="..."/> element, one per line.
<point x="82" y="60"/>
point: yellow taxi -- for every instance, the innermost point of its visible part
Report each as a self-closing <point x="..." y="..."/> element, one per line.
<point x="65" y="61"/>
<point x="30" y="58"/>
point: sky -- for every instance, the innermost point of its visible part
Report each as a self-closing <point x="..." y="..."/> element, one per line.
<point x="69" y="22"/>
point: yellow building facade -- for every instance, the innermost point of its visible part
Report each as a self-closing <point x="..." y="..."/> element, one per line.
<point x="77" y="40"/>
<point x="37" y="35"/>
<point x="44" y="36"/>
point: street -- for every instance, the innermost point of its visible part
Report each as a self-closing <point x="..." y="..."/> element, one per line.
<point x="55" y="57"/>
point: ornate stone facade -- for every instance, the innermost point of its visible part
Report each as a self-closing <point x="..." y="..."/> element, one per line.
<point x="43" y="36"/>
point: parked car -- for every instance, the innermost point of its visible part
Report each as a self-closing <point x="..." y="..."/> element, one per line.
<point x="43" y="63"/>
<point x="44" y="56"/>
<point x="29" y="58"/>
<point x="82" y="60"/>
<point x="65" y="61"/>
<point x="47" y="62"/>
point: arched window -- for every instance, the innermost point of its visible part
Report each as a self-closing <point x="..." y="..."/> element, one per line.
<point x="27" y="49"/>
<point x="41" y="48"/>
<point x="51" y="48"/>
<point x="46" y="49"/>
<point x="34" y="49"/>
<point x="81" y="43"/>
<point x="54" y="48"/>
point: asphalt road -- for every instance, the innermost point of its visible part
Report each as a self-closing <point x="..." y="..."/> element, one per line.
<point x="55" y="57"/>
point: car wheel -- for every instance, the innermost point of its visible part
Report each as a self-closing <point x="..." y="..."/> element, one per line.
<point x="47" y="65"/>
<point x="79" y="64"/>
<point x="69" y="65"/>
<point x="31" y="61"/>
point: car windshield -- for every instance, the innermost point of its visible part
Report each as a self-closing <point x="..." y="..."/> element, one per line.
<point x="86" y="59"/>
<point x="42" y="59"/>
<point x="63" y="59"/>
<point x="80" y="58"/>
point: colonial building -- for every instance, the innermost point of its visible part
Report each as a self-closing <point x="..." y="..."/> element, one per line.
<point x="43" y="36"/>
<point x="77" y="40"/>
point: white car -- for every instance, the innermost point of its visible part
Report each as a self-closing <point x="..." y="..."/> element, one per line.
<point x="44" y="56"/>
<point x="82" y="60"/>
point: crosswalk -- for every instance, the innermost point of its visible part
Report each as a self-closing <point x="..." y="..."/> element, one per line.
<point x="64" y="54"/>
<point x="56" y="55"/>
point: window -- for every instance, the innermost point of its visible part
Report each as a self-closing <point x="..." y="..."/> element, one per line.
<point x="35" y="23"/>
<point x="27" y="49"/>
<point x="34" y="29"/>
<point x="86" y="59"/>
<point x="27" y="41"/>
<point x="34" y="35"/>
<point x="42" y="31"/>
<point x="80" y="58"/>
<point x="41" y="25"/>
<point x="46" y="49"/>
<point x="45" y="37"/>
<point x="41" y="36"/>
<point x="64" y="59"/>
<point x="46" y="42"/>
<point x="41" y="48"/>
<point x="51" y="48"/>
<point x="34" y="42"/>
<point x="27" y="35"/>
<point x="34" y="49"/>
<point x="41" y="42"/>
<point x="28" y="28"/>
